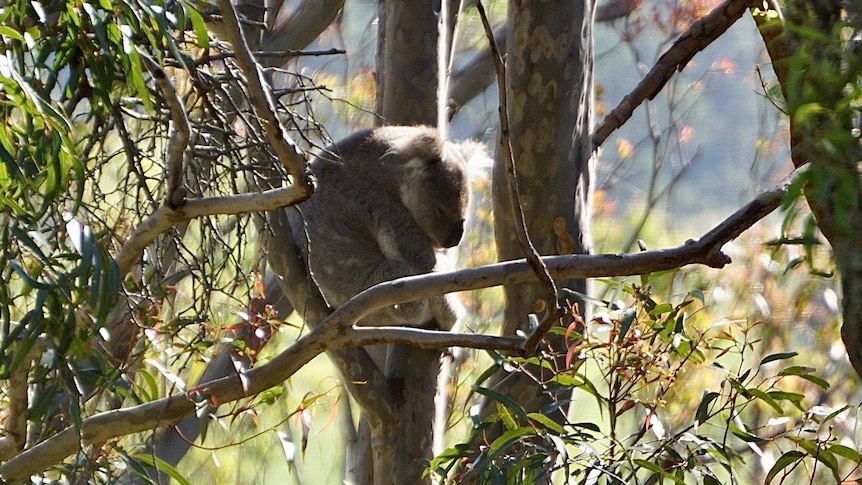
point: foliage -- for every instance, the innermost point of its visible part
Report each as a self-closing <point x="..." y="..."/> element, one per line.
<point x="82" y="163"/>
<point x="758" y="412"/>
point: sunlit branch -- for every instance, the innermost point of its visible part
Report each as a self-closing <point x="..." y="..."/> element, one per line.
<point x="179" y="132"/>
<point x="705" y="250"/>
<point x="285" y="149"/>
<point x="695" y="39"/>
<point x="165" y="218"/>
<point x="336" y="331"/>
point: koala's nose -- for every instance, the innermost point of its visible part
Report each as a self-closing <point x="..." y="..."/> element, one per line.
<point x="454" y="236"/>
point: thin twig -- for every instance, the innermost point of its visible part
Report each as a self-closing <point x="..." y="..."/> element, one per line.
<point x="299" y="52"/>
<point x="532" y="256"/>
<point x="335" y="331"/>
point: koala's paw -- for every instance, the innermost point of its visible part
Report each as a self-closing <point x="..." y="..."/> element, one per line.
<point x="413" y="313"/>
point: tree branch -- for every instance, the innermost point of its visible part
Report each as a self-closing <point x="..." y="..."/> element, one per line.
<point x="112" y="424"/>
<point x="520" y="224"/>
<point x="705" y="250"/>
<point x="179" y="132"/>
<point x="285" y="149"/>
<point x="165" y="218"/>
<point x="306" y="22"/>
<point x="336" y="331"/>
<point x="15" y="424"/>
<point x="695" y="39"/>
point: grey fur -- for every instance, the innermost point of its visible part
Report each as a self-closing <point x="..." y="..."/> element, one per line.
<point x="387" y="199"/>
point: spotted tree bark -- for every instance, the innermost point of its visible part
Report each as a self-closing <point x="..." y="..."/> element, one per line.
<point x="549" y="74"/>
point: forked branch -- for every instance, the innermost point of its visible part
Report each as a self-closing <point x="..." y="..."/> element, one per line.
<point x="337" y="330"/>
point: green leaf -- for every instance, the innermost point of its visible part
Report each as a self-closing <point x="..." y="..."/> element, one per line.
<point x="778" y="356"/>
<point x="32" y="282"/>
<point x="658" y="470"/>
<point x="506" y="401"/>
<point x="137" y="74"/>
<point x="508" y="438"/>
<point x="744" y="435"/>
<point x="199" y="26"/>
<point x="846" y="452"/>
<point x="787" y="459"/>
<point x="793" y="397"/>
<point x="163" y="466"/>
<point x="702" y="413"/>
<point x="546" y="422"/>
<point x="813" y="449"/>
<point x="11" y="33"/>
<point x="816" y="380"/>
<point x="626" y="324"/>
<point x="661" y="309"/>
<point x="797" y="370"/>
<point x="710" y="480"/>
<point x="765" y="398"/>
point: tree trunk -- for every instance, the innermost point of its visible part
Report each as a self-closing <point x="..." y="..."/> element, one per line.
<point x="407" y="67"/>
<point x="550" y="91"/>
<point x="824" y="139"/>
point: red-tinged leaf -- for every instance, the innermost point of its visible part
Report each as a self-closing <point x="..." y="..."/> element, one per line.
<point x="570" y="355"/>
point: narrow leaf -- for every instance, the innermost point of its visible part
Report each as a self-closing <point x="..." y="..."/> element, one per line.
<point x="787" y="459"/>
<point x="779" y="356"/>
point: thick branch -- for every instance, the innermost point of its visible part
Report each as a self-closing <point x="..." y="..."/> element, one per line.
<point x="706" y="251"/>
<point x="336" y="331"/>
<point x="285" y="149"/>
<point x="695" y="39"/>
<point x="165" y="218"/>
<point x="178" y="134"/>
<point x="112" y="424"/>
<point x="301" y="27"/>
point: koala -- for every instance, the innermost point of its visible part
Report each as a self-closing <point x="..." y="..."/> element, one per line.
<point x="387" y="201"/>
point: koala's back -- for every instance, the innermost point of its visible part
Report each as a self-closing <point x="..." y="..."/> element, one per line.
<point x="356" y="215"/>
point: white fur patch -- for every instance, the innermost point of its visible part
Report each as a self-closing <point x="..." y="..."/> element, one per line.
<point x="386" y="241"/>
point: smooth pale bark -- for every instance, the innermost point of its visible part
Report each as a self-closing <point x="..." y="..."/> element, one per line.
<point x="401" y="441"/>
